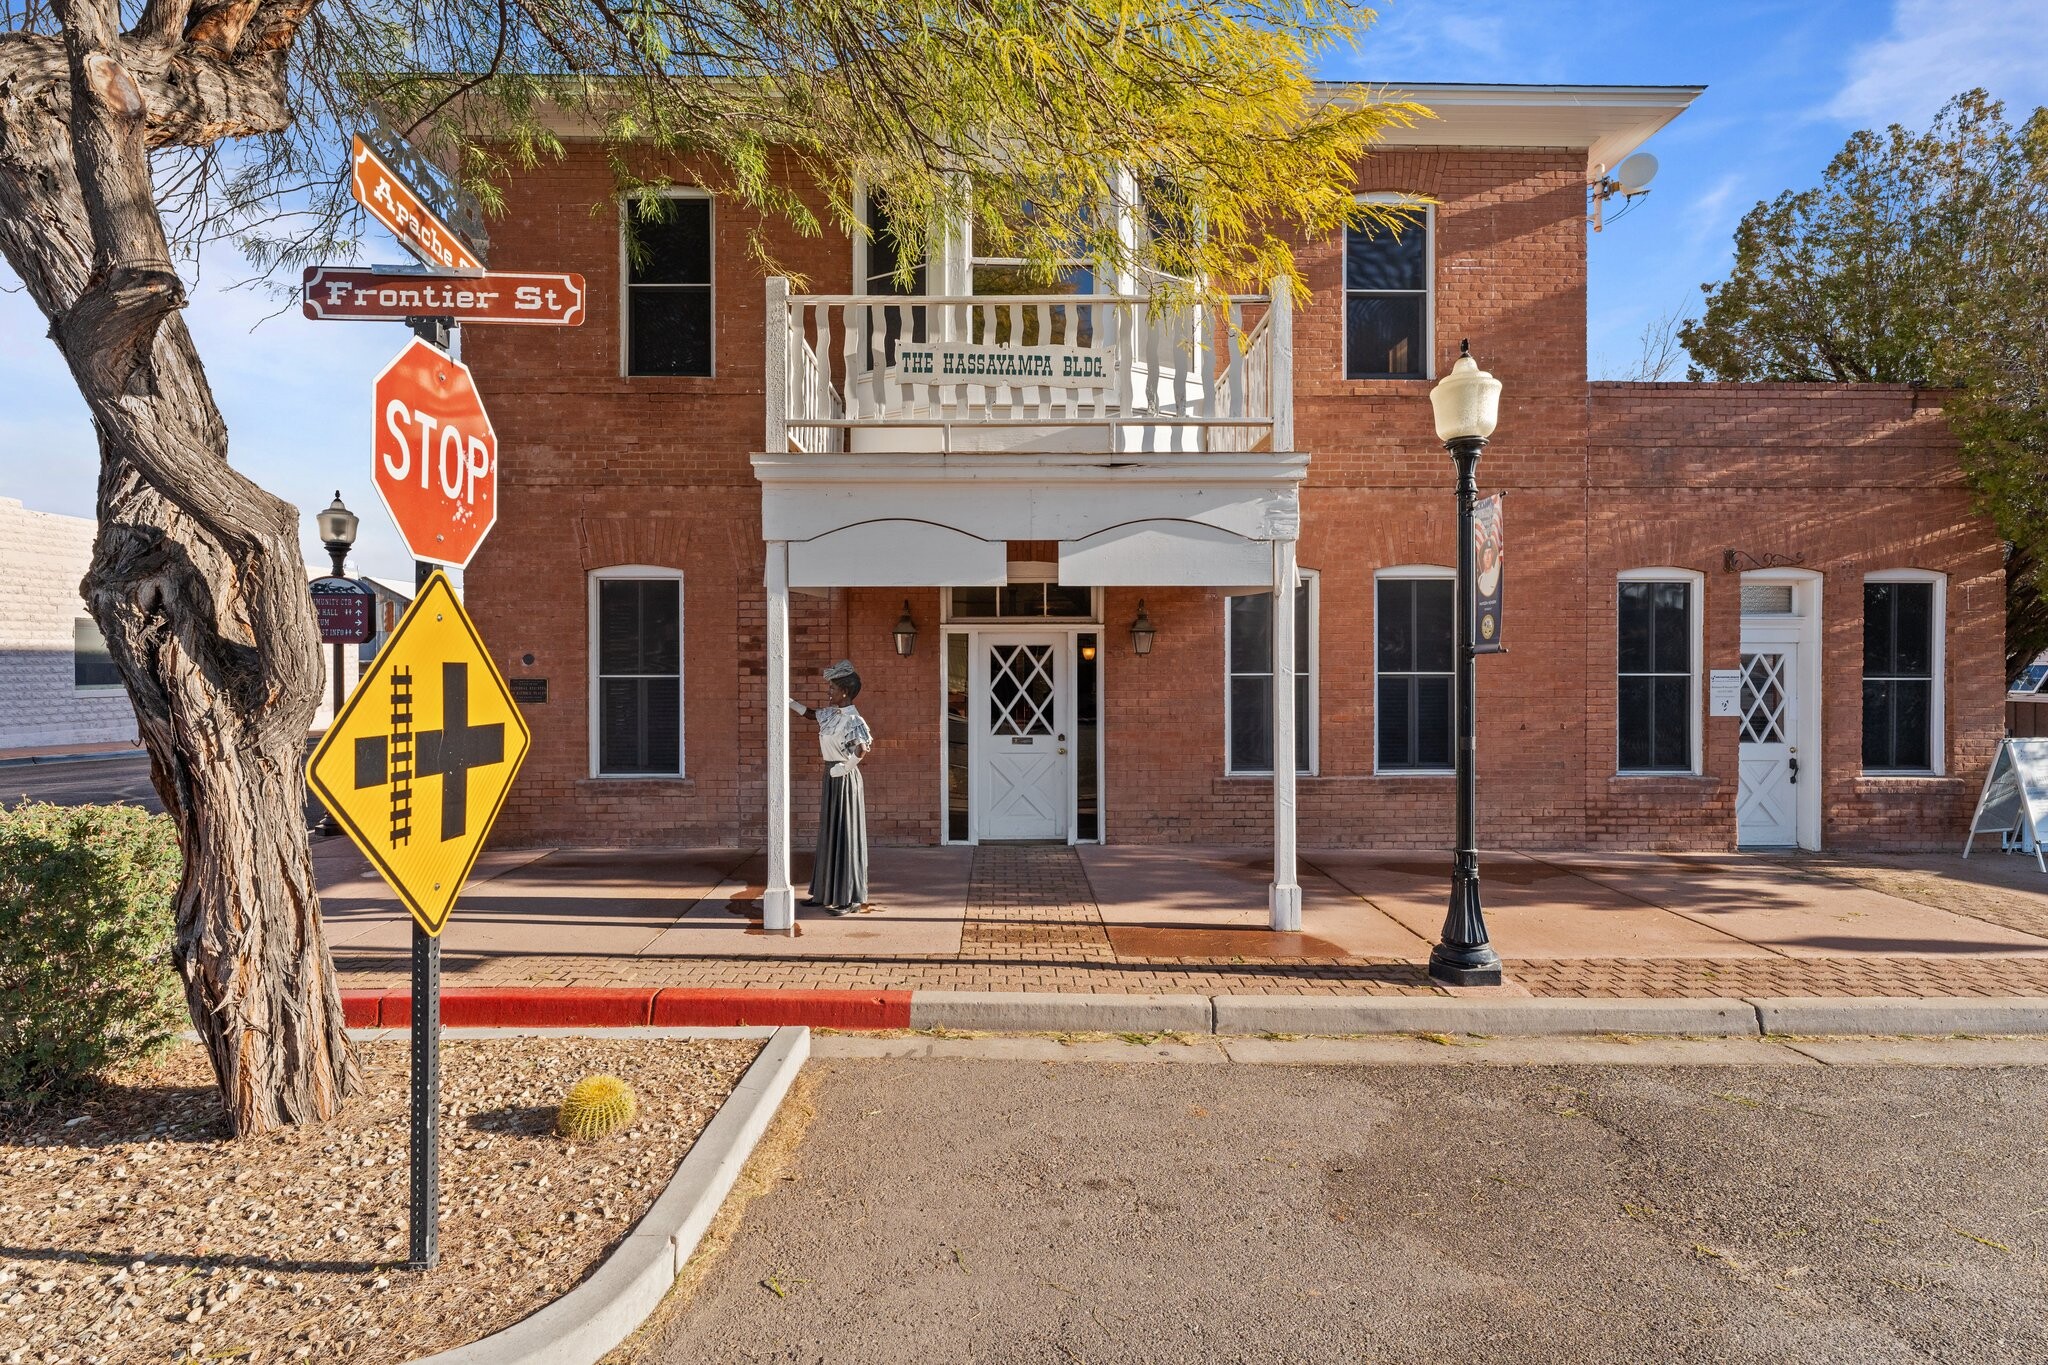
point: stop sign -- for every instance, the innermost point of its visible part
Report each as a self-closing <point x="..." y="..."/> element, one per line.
<point x="434" y="456"/>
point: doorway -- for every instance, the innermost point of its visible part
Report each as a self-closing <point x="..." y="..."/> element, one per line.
<point x="1777" y="799"/>
<point x="1019" y="708"/>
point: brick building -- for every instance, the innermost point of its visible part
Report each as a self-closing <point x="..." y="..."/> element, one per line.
<point x="58" y="686"/>
<point x="1813" y="546"/>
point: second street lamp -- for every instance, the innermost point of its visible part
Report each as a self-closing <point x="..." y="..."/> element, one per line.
<point x="338" y="533"/>
<point x="1467" y="405"/>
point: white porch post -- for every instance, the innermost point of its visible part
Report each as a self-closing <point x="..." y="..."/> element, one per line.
<point x="1285" y="901"/>
<point x="778" y="901"/>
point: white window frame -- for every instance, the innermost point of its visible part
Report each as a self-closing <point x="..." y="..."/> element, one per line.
<point x="1937" y="717"/>
<point x="1696" y="609"/>
<point x="1306" y="718"/>
<point x="1428" y="294"/>
<point x="1412" y="571"/>
<point x="626" y="279"/>
<point x="593" y="663"/>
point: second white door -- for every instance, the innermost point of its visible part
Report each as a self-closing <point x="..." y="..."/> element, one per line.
<point x="1767" y="794"/>
<point x="1018" y="696"/>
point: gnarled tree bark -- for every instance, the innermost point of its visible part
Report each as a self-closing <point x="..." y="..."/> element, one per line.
<point x="197" y="580"/>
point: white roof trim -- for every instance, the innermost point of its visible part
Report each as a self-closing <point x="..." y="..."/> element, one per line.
<point x="1606" y="122"/>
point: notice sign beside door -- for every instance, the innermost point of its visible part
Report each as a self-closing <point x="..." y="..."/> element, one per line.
<point x="1486" y="549"/>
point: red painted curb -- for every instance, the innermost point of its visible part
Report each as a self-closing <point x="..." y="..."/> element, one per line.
<point x="630" y="1007"/>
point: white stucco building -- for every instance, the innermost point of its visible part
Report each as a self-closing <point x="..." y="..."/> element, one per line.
<point x="57" y="686"/>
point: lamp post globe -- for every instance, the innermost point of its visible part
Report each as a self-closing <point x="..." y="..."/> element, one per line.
<point x="1467" y="406"/>
<point x="337" y="530"/>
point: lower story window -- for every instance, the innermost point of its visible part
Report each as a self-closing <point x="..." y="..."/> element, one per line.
<point x="1654" y="704"/>
<point x="1415" y="628"/>
<point x="638" y="720"/>
<point x="1900" y="645"/>
<point x="1248" y="650"/>
<point x="91" y="664"/>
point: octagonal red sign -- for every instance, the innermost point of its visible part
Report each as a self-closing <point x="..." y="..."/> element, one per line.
<point x="434" y="456"/>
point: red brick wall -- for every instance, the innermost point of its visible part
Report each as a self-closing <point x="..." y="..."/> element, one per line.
<point x="601" y="470"/>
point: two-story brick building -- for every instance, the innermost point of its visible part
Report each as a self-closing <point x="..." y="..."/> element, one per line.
<point x="1100" y="518"/>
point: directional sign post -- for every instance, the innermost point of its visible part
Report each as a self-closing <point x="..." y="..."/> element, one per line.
<point x="416" y="768"/>
<point x="435" y="456"/>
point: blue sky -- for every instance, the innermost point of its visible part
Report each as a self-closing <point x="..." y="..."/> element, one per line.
<point x="1787" y="81"/>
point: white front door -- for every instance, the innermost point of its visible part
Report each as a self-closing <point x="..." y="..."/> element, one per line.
<point x="1017" y="699"/>
<point x="1767" y="796"/>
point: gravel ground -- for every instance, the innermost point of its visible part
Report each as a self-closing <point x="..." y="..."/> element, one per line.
<point x="133" y="1229"/>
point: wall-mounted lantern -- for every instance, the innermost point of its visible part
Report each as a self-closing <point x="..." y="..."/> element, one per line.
<point x="1142" y="631"/>
<point x="905" y="632"/>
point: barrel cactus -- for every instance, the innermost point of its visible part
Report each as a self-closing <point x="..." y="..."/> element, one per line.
<point x="597" y="1106"/>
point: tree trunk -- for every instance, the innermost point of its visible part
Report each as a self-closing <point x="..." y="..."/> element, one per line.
<point x="197" y="578"/>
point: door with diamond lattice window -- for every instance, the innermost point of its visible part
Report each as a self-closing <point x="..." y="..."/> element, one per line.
<point x="1767" y="796"/>
<point x="1018" y="697"/>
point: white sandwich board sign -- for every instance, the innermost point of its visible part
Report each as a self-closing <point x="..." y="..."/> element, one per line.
<point x="2014" y="803"/>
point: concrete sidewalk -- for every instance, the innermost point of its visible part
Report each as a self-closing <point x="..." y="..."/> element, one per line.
<point x="1183" y="921"/>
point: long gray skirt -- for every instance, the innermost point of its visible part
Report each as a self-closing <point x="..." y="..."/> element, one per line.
<point x="839" y="876"/>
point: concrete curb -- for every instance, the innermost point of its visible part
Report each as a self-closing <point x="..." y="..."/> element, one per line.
<point x="96" y="757"/>
<point x="1817" y="1014"/>
<point x="1028" y="1012"/>
<point x="1236" y="1014"/>
<point x="582" y="1326"/>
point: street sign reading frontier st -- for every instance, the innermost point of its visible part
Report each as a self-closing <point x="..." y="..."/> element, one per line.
<point x="344" y="293"/>
<point x="418" y="764"/>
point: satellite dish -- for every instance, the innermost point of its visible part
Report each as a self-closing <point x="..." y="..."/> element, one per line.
<point x="1634" y="175"/>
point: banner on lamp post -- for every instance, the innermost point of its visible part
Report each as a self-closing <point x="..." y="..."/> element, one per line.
<point x="1486" y="550"/>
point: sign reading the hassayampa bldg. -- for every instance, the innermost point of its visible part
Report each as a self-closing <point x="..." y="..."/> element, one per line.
<point x="1064" y="366"/>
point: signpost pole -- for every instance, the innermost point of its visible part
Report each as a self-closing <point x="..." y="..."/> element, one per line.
<point x="425" y="1183"/>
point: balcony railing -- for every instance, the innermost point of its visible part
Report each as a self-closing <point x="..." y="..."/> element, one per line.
<point x="1109" y="374"/>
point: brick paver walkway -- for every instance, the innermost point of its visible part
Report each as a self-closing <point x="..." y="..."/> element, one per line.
<point x="1030" y="901"/>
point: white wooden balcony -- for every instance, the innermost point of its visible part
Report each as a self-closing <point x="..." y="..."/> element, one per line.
<point x="1062" y="374"/>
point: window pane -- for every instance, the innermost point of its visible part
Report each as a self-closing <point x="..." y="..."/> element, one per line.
<point x="1635" y="746"/>
<point x="670" y="331"/>
<point x="618" y="627"/>
<point x="1383" y="336"/>
<point x="661" y="639"/>
<point x="1673" y="627"/>
<point x="1634" y="627"/>
<point x="1378" y="259"/>
<point x="91" y="664"/>
<point x="1432" y="722"/>
<point x="676" y="250"/>
<point x="1394" y="616"/>
<point x="1303" y="721"/>
<point x="978" y="602"/>
<point x="1912" y="724"/>
<point x="1021" y="599"/>
<point x="1066" y="601"/>
<point x="662" y="700"/>
<point x="883" y="249"/>
<point x="1395" y="717"/>
<point x="1913" y="637"/>
<point x="1877" y="724"/>
<point x="1877" y="627"/>
<point x="1436" y="627"/>
<point x="1671" y="723"/>
<point x="1251" y="633"/>
<point x="1301" y="631"/>
<point x="1251" y="724"/>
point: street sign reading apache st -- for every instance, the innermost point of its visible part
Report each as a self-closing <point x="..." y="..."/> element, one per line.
<point x="395" y="204"/>
<point x="418" y="764"/>
<point x="434" y="455"/>
<point x="348" y="294"/>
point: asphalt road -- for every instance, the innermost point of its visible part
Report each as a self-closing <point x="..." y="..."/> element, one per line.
<point x="1001" y="1211"/>
<point x="80" y="782"/>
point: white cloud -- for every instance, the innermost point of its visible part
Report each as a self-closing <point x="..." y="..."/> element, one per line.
<point x="1939" y="48"/>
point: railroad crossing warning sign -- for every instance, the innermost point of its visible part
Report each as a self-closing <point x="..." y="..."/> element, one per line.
<point x="418" y="765"/>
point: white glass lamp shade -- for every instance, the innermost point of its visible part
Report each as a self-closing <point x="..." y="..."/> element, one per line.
<point x="1467" y="402"/>
<point x="337" y="523"/>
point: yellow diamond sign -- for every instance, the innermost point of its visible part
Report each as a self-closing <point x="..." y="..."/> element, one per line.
<point x="417" y="766"/>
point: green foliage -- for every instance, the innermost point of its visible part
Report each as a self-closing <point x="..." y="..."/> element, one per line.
<point x="1920" y="258"/>
<point x="597" y="1106"/>
<point x="86" y="927"/>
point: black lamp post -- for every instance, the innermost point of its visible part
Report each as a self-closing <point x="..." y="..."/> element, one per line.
<point x="1467" y="404"/>
<point x="337" y="532"/>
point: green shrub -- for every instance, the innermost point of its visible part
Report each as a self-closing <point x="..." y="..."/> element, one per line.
<point x="86" y="926"/>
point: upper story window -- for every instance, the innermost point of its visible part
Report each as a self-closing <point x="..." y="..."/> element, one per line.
<point x="1415" y="625"/>
<point x="1657" y="682"/>
<point x="1387" y="313"/>
<point x="668" y="289"/>
<point x="1902" y="638"/>
<point x="878" y="250"/>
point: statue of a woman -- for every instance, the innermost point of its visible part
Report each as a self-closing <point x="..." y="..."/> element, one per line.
<point x="839" y="875"/>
